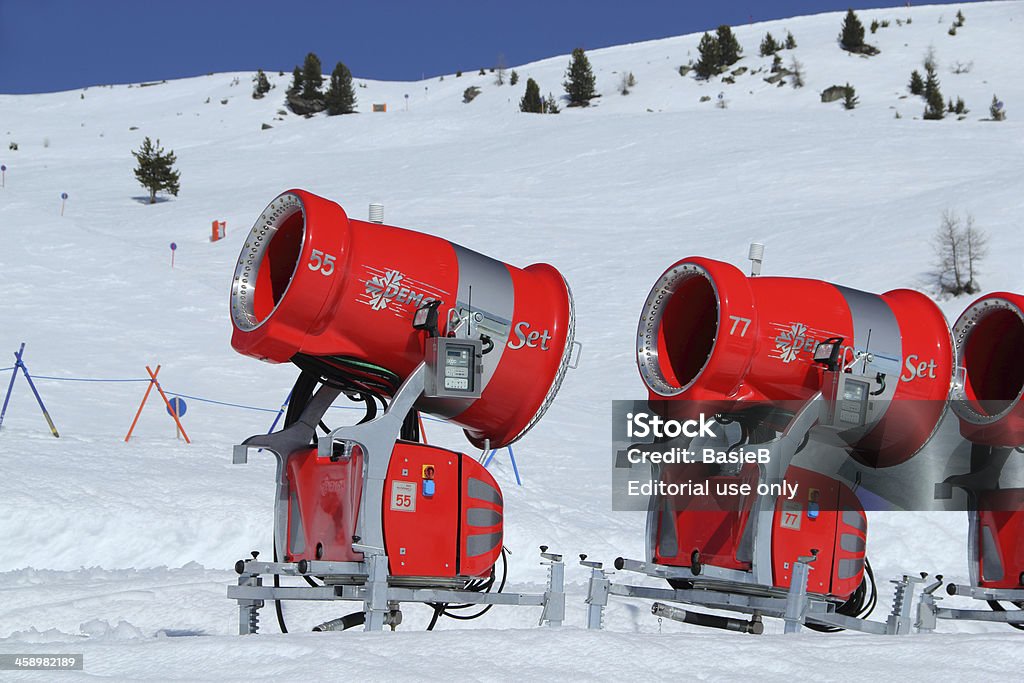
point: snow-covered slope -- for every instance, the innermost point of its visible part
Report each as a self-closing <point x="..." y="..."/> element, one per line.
<point x="610" y="195"/>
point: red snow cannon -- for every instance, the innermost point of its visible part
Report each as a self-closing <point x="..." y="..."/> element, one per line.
<point x="312" y="282"/>
<point x="718" y="340"/>
<point x="987" y="397"/>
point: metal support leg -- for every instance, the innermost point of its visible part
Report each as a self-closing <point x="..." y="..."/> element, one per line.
<point x="796" y="599"/>
<point x="903" y="600"/>
<point x="249" y="610"/>
<point x="597" y="593"/>
<point x="554" y="596"/>
<point x="376" y="605"/>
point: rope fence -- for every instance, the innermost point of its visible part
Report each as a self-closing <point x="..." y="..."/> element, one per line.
<point x="190" y="397"/>
<point x="175" y="408"/>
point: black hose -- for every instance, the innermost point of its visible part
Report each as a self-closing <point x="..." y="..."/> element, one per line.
<point x="859" y="605"/>
<point x="442" y="609"/>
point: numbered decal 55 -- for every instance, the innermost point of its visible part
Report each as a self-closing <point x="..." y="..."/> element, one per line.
<point x="318" y="260"/>
<point x="403" y="496"/>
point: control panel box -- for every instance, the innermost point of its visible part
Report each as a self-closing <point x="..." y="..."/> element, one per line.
<point x="455" y="368"/>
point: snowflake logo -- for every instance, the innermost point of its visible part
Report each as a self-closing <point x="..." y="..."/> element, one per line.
<point x="789" y="342"/>
<point x="383" y="289"/>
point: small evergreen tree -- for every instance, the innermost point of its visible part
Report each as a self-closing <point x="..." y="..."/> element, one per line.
<point x="960" y="18"/>
<point x="850" y="99"/>
<point x="532" y="102"/>
<point x="296" y="87"/>
<point x="796" y="70"/>
<point x="155" y="171"/>
<point x="710" y="57"/>
<point x="996" y="111"/>
<point x="551" y="104"/>
<point x="312" y="78"/>
<point x="852" y="36"/>
<point x="262" y="86"/>
<point x="916" y="83"/>
<point x="482" y="72"/>
<point x="728" y="47"/>
<point x="776" y="64"/>
<point x="340" y="97"/>
<point x="579" y="83"/>
<point x="499" y="78"/>
<point x="874" y="26"/>
<point x="790" y="41"/>
<point x="769" y="46"/>
<point x="934" y="108"/>
<point x="513" y="78"/>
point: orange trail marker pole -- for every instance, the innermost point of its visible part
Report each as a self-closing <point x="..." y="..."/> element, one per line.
<point x="153" y="382"/>
<point x="167" y="403"/>
<point x="145" y="397"/>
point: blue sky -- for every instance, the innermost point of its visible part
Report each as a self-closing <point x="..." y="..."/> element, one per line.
<point x="48" y="45"/>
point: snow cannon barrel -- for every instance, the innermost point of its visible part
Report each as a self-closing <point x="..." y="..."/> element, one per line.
<point x="721" y="341"/>
<point x="312" y="282"/>
<point x="988" y="396"/>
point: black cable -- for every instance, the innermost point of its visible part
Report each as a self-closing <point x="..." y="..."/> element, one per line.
<point x="482" y="586"/>
<point x="859" y="605"/>
<point x="277" y="603"/>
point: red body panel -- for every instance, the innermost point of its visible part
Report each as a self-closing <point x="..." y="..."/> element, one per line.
<point x="838" y="532"/>
<point x="710" y="525"/>
<point x="361" y="306"/>
<point x="438" y="535"/>
<point x="1001" y="538"/>
<point x="325" y="496"/>
<point x="713" y="526"/>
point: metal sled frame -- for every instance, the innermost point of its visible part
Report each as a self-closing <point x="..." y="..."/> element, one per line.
<point x="748" y="592"/>
<point x="367" y="581"/>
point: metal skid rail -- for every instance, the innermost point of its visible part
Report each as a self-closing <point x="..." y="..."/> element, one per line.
<point x="795" y="606"/>
<point x="368" y="582"/>
<point x="929" y="612"/>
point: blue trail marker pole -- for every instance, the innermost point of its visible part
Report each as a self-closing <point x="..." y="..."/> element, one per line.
<point x="20" y="365"/>
<point x="511" y="457"/>
<point x="284" y="406"/>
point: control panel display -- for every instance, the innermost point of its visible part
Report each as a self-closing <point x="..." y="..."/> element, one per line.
<point x="456" y="367"/>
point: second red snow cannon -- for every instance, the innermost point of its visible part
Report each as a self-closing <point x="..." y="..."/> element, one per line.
<point x="400" y="322"/>
<point x="778" y="364"/>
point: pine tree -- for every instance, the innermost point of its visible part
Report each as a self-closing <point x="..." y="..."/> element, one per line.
<point x="852" y="36"/>
<point x="790" y="41"/>
<point x="551" y="104"/>
<point x="312" y="78"/>
<point x="513" y="78"/>
<point x="769" y="46"/>
<point x="916" y="83"/>
<point x="996" y="111"/>
<point x="710" y="57"/>
<point x="262" y="86"/>
<point x="532" y="102"/>
<point x="579" y="83"/>
<point x="155" y="171"/>
<point x="934" y="107"/>
<point x="296" y="87"/>
<point x="728" y="47"/>
<point x="850" y="99"/>
<point x="340" y="97"/>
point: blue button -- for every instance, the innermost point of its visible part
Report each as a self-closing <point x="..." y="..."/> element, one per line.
<point x="812" y="510"/>
<point x="428" y="488"/>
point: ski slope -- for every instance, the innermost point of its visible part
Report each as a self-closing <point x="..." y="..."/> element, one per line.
<point x="123" y="550"/>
